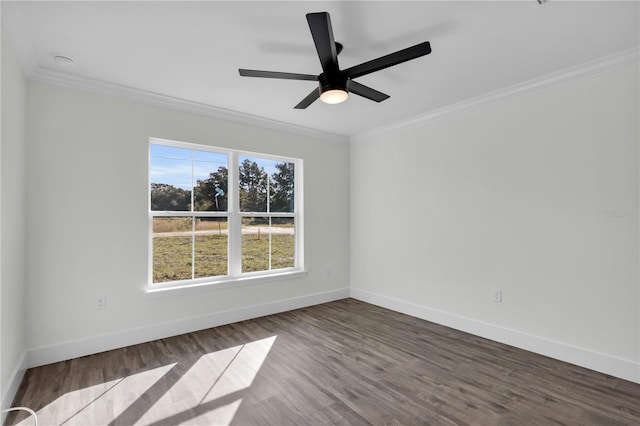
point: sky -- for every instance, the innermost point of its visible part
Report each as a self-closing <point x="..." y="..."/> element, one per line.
<point x="174" y="166"/>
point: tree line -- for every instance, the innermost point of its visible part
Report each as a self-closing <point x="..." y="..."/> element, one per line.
<point x="211" y="194"/>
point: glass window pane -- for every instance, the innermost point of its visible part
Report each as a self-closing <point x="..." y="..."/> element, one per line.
<point x="192" y="179"/>
<point x="211" y="176"/>
<point x="211" y="242"/>
<point x="255" y="244"/>
<point x="171" y="176"/>
<point x="281" y="185"/>
<point x="282" y="242"/>
<point x="252" y="184"/>
<point x="172" y="248"/>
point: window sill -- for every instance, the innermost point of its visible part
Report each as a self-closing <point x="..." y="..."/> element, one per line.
<point x="158" y="290"/>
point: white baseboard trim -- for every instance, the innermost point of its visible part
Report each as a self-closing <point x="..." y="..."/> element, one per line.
<point x="93" y="345"/>
<point x="14" y="383"/>
<point x="608" y="364"/>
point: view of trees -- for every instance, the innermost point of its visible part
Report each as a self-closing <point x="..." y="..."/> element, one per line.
<point x="253" y="187"/>
<point x="282" y="183"/>
<point x="211" y="194"/>
<point x="168" y="197"/>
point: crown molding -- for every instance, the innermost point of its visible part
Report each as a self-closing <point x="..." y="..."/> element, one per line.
<point x="613" y="62"/>
<point x="623" y="59"/>
<point x="73" y="81"/>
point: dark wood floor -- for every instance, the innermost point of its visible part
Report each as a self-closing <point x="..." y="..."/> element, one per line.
<point x="344" y="362"/>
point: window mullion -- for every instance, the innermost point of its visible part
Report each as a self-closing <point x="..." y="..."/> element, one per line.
<point x="298" y="209"/>
<point x="268" y="192"/>
<point x="235" y="221"/>
<point x="193" y="223"/>
<point x="270" y="230"/>
<point x="193" y="246"/>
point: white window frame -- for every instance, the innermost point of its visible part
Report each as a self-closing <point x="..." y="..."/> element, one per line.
<point x="234" y="217"/>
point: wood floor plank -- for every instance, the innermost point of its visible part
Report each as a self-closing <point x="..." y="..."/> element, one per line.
<point x="340" y="363"/>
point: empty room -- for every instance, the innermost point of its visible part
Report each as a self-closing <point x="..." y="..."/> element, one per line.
<point x="311" y="213"/>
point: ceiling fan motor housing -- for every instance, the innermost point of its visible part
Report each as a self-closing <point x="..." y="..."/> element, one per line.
<point x="337" y="81"/>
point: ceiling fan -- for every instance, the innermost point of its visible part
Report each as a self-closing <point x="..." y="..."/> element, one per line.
<point x="336" y="84"/>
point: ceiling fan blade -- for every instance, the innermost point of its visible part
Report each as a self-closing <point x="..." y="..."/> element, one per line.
<point x="276" y="74"/>
<point x="367" y="92"/>
<point x="389" y="60"/>
<point x="322" y="33"/>
<point x="311" y="97"/>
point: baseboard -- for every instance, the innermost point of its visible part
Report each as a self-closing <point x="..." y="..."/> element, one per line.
<point x="608" y="364"/>
<point x="9" y="393"/>
<point x="604" y="363"/>
<point x="96" y="344"/>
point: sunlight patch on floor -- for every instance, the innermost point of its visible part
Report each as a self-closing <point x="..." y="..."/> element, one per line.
<point x="211" y="389"/>
<point x="209" y="392"/>
<point x="221" y="415"/>
<point x="241" y="371"/>
<point x="100" y="403"/>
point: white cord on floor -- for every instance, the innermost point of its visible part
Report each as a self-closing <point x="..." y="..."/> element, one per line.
<point x="29" y="410"/>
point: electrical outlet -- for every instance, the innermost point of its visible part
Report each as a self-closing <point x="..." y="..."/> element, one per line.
<point x="101" y="302"/>
<point x="327" y="271"/>
<point x="497" y="295"/>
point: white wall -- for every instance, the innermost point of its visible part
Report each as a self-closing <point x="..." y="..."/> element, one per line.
<point x="87" y="198"/>
<point x="512" y="195"/>
<point x="12" y="223"/>
<point x="537" y="196"/>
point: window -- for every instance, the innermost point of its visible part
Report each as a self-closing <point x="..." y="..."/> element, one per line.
<point x="219" y="215"/>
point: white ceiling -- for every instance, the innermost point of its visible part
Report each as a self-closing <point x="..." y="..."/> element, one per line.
<point x="191" y="51"/>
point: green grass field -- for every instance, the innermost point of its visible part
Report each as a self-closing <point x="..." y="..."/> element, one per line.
<point x="172" y="255"/>
<point x="184" y="224"/>
<point x="255" y="252"/>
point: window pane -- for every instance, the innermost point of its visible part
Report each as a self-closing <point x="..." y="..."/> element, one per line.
<point x="211" y="175"/>
<point x="172" y="248"/>
<point x="281" y="187"/>
<point x="267" y="243"/>
<point x="282" y="242"/>
<point x="255" y="244"/>
<point x="252" y="185"/>
<point x="171" y="182"/>
<point x="211" y="242"/>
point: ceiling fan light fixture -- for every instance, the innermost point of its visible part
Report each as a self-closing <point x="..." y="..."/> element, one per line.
<point x="334" y="88"/>
<point x="334" y="96"/>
